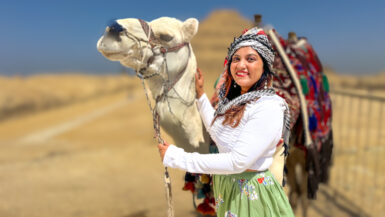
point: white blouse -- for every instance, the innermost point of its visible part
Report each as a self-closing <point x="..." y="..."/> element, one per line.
<point x="250" y="145"/>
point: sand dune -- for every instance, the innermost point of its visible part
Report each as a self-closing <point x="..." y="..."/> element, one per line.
<point x="26" y="94"/>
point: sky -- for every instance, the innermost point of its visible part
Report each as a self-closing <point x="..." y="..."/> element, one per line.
<point x="60" y="36"/>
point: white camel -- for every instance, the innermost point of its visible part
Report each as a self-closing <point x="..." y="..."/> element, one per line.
<point x="160" y="52"/>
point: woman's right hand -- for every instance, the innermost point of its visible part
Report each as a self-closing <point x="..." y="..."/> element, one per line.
<point x="199" y="84"/>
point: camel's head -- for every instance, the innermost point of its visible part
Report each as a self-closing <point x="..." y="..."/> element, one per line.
<point x="135" y="42"/>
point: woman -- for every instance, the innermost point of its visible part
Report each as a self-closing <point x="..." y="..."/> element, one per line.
<point x="246" y="126"/>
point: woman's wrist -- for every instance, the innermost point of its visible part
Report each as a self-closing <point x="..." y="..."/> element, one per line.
<point x="199" y="94"/>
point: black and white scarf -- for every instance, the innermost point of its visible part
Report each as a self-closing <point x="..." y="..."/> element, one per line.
<point x="224" y="104"/>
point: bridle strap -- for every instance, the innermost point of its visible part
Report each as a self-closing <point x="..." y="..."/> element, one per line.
<point x="179" y="75"/>
<point x="147" y="30"/>
<point x="173" y="49"/>
<point x="151" y="38"/>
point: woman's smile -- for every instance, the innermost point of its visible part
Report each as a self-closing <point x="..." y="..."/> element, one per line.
<point x="241" y="73"/>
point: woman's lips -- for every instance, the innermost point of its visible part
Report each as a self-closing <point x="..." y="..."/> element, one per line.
<point x="241" y="74"/>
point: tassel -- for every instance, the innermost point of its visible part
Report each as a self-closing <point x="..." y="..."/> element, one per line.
<point x="200" y="194"/>
<point x="198" y="185"/>
<point x="325" y="83"/>
<point x="213" y="149"/>
<point x="305" y="86"/>
<point x="286" y="138"/>
<point x="206" y="188"/>
<point x="312" y="123"/>
<point x="205" y="179"/>
<point x="216" y="82"/>
<point x="189" y="177"/>
<point x="205" y="208"/>
<point x="189" y="186"/>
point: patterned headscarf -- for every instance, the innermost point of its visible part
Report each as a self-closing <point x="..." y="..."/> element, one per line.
<point x="257" y="39"/>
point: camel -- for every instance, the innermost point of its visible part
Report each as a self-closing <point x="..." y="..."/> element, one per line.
<point x="161" y="54"/>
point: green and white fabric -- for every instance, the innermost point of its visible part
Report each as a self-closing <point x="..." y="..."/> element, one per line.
<point x="250" y="194"/>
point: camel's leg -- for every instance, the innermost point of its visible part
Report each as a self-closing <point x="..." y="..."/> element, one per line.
<point x="301" y="175"/>
<point x="291" y="179"/>
<point x="276" y="167"/>
<point x="297" y="179"/>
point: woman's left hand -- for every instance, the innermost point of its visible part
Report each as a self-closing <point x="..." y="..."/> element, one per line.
<point x="162" y="149"/>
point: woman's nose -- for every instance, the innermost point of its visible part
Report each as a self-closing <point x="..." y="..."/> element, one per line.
<point x="242" y="64"/>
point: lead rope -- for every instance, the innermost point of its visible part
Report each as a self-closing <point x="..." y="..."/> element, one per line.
<point x="156" y="125"/>
<point x="167" y="179"/>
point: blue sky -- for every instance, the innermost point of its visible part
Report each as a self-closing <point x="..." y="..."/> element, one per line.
<point x="60" y="36"/>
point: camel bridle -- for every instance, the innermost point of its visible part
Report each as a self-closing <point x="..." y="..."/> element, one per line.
<point x="153" y="44"/>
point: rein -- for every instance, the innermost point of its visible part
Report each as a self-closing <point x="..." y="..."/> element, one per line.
<point x="167" y="84"/>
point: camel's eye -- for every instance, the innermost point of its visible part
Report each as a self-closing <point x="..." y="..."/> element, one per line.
<point x="165" y="37"/>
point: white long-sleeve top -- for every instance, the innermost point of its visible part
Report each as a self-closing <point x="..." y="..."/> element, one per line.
<point x="250" y="145"/>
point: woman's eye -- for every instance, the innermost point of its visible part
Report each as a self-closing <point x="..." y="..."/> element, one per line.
<point x="235" y="59"/>
<point x="251" y="59"/>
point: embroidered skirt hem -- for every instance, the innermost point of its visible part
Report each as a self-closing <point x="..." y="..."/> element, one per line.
<point x="250" y="194"/>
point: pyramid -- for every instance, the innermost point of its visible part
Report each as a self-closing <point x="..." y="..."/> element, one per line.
<point x="214" y="36"/>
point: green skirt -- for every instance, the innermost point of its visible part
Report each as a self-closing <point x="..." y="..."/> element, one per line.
<point x="250" y="194"/>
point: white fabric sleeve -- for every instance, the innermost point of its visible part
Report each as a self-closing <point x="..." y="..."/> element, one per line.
<point x="262" y="131"/>
<point x="206" y="111"/>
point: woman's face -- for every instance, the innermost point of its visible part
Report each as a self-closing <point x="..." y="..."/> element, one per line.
<point x="246" y="67"/>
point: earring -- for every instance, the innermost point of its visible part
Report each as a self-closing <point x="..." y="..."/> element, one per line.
<point x="265" y="85"/>
<point x="235" y="85"/>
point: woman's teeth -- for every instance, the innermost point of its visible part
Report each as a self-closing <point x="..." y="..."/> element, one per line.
<point x="241" y="74"/>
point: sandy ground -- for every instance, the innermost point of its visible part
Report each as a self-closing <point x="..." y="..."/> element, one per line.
<point x="106" y="165"/>
<point x="96" y="158"/>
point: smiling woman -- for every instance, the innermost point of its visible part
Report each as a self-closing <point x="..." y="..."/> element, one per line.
<point x="247" y="125"/>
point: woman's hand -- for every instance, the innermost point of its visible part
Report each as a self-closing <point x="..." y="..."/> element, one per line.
<point x="199" y="84"/>
<point x="162" y="149"/>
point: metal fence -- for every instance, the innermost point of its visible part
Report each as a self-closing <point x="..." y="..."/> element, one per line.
<point x="358" y="172"/>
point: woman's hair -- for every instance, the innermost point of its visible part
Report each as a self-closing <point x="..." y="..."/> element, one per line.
<point x="233" y="116"/>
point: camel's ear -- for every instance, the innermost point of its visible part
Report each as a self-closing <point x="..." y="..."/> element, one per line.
<point x="190" y="28"/>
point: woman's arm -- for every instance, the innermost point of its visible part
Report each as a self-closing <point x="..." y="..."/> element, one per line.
<point x="205" y="108"/>
<point x="261" y="133"/>
<point x="206" y="111"/>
